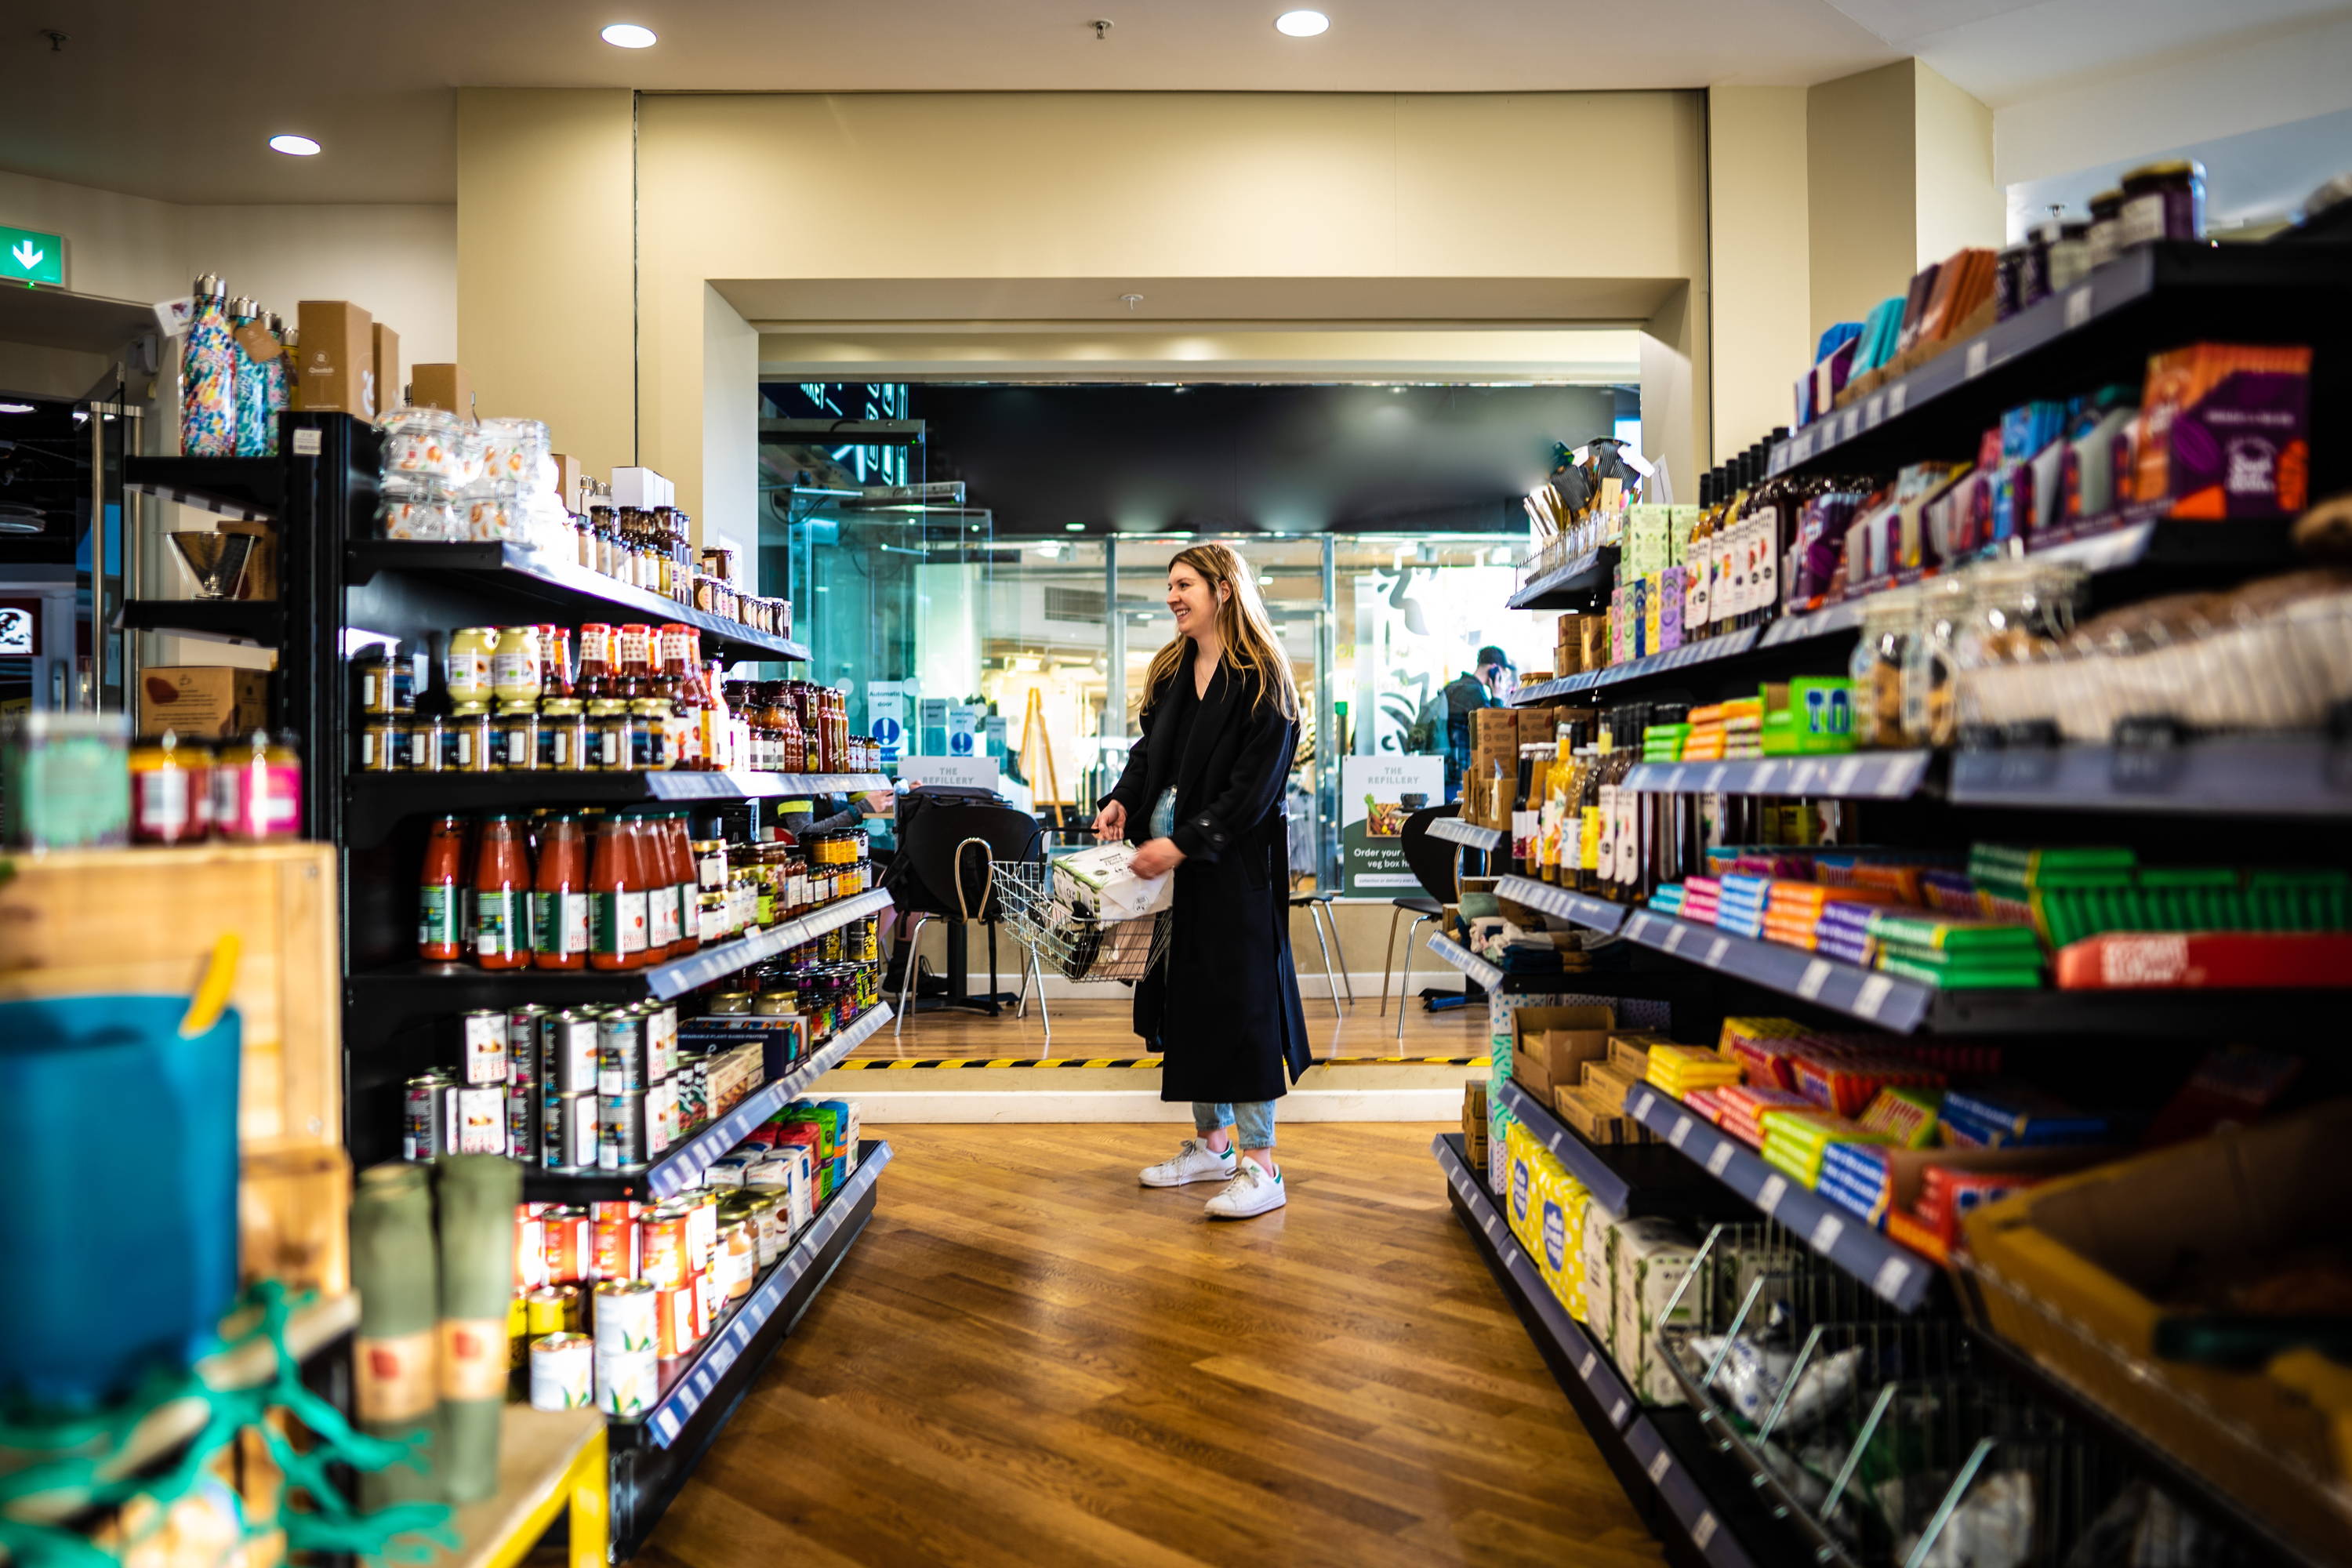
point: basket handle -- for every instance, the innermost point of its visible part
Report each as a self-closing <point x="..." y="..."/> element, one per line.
<point x="986" y="887"/>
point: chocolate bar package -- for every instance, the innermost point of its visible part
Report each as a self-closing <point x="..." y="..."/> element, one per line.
<point x="2224" y="431"/>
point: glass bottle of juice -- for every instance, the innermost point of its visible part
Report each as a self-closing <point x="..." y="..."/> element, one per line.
<point x="502" y="886"/>
<point x="559" y="899"/>
<point x="440" y="902"/>
<point x="616" y="899"/>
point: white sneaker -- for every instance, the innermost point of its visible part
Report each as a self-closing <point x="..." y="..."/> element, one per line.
<point x="1251" y="1192"/>
<point x="1195" y="1161"/>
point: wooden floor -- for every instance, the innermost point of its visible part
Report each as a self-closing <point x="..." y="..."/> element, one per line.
<point x="1028" y="1360"/>
<point x="1102" y="1027"/>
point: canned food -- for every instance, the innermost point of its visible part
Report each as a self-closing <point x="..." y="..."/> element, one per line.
<point x="518" y="1333"/>
<point x="615" y="1246"/>
<point x="709" y="1303"/>
<point x="675" y="1311"/>
<point x="477" y="1118"/>
<point x="568" y="1132"/>
<point x="621" y="1054"/>
<point x="565" y="1232"/>
<point x="526" y="1138"/>
<point x="627" y="1381"/>
<point x="739" y="1250"/>
<point x="620" y="1130"/>
<point x="661" y="1118"/>
<point x="625" y="1315"/>
<point x="663" y="1257"/>
<point x="543" y="1312"/>
<point x="421" y="1135"/>
<point x="522" y="1041"/>
<point x="485" y="1056"/>
<point x="530" y="1248"/>
<point x="568" y="1052"/>
<point x="661" y="1039"/>
<point x="563" y="1373"/>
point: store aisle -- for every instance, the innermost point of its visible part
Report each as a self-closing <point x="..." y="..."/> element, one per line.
<point x="1030" y="1360"/>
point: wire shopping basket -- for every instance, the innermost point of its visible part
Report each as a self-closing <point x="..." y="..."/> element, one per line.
<point x="1075" y="946"/>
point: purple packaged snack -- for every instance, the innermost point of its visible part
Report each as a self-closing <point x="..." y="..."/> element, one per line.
<point x="2224" y="431"/>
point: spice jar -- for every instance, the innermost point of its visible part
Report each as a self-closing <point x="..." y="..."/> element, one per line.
<point x="652" y="735"/>
<point x="170" y="791"/>
<point x="387" y="683"/>
<point x="563" y="744"/>
<point x="428" y="744"/>
<point x="2162" y="200"/>
<point x="471" y="747"/>
<point x="517" y="733"/>
<point x="611" y="735"/>
<point x="2105" y="234"/>
<point x="515" y="663"/>
<point x="467" y="665"/>
<point x="1889" y="618"/>
<point x="384" y="744"/>
<point x="1929" y="715"/>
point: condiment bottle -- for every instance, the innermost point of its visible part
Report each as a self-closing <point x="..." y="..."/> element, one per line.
<point x="502" y="886"/>
<point x="439" y="914"/>
<point x="595" y="662"/>
<point x="678" y="850"/>
<point x="558" y="901"/>
<point x="170" y="791"/>
<point x="616" y="900"/>
<point x="634" y="643"/>
<point x="661" y="893"/>
<point x="515" y="665"/>
<point x="258" y="792"/>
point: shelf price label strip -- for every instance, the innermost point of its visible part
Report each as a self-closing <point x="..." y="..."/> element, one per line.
<point x="1892" y="1273"/>
<point x="672" y="1174"/>
<point x="678" y="978"/>
<point x="1599" y="1375"/>
<point x="1593" y="914"/>
<point x="1609" y="1189"/>
<point x="1454" y="830"/>
<point x="1558" y="578"/>
<point x="1859" y="776"/>
<point x="1468" y="962"/>
<point x="1679" y="1489"/>
<point x="669" y="1417"/>
<point x="1886" y="1000"/>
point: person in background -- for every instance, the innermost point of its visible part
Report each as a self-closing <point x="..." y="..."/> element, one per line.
<point x="1487" y="685"/>
<point x="1201" y="796"/>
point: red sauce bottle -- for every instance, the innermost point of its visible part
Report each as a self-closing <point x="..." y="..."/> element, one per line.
<point x="616" y="899"/>
<point x="678" y="857"/>
<point x="441" y="903"/>
<point x="595" y="662"/>
<point x="501" y="894"/>
<point x="558" y="901"/>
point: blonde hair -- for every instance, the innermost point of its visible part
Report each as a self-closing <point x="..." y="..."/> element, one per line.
<point x="1250" y="644"/>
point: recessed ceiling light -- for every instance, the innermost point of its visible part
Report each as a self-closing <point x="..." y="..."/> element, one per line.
<point x="296" y="146"/>
<point x="628" y="36"/>
<point x="1076" y="527"/>
<point x="16" y="408"/>
<point x="1302" y="24"/>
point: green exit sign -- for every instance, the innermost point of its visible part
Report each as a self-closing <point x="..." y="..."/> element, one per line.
<point x="28" y="256"/>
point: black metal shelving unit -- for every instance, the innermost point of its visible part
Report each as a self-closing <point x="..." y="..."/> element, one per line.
<point x="1573" y="584"/>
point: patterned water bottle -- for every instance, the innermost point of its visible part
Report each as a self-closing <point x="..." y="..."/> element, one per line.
<point x="289" y="367"/>
<point x="249" y="388"/>
<point x="282" y="376"/>
<point x="208" y="376"/>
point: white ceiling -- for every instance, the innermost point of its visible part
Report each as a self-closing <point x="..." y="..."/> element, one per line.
<point x="160" y="98"/>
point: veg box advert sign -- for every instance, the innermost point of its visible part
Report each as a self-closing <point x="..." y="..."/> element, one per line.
<point x="1376" y="795"/>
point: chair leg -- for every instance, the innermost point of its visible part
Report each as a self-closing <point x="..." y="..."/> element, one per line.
<point x="1020" y="1008"/>
<point x="1388" y="957"/>
<point x="1405" y="986"/>
<point x="1346" y="979"/>
<point x="1330" y="983"/>
<point x="907" y="979"/>
<point x="1045" y="1013"/>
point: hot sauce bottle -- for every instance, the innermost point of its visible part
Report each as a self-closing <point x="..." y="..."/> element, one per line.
<point x="440" y="905"/>
<point x="596" y="672"/>
<point x="616" y="899"/>
<point x="554" y="661"/>
<point x="501" y="891"/>
<point x="559" y="899"/>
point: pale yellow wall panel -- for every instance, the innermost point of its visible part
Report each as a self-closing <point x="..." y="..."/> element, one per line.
<point x="1759" y="271"/>
<point x="1861" y="179"/>
<point x="1959" y="203"/>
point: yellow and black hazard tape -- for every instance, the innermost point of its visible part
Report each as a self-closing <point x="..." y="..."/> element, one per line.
<point x="934" y="1064"/>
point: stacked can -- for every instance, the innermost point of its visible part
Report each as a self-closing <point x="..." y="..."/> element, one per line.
<point x="628" y="1375"/>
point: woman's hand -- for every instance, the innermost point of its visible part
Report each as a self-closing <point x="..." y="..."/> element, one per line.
<point x="1110" y="822"/>
<point x="1156" y="858"/>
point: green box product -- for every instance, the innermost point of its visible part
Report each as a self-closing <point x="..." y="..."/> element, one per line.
<point x="1963" y="977"/>
<point x="1810" y="716"/>
<point x="1951" y="935"/>
<point x="1652" y="1257"/>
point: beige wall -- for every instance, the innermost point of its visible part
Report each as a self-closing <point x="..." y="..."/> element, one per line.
<point x="546" y="223"/>
<point x="1426" y="191"/>
<point x="1758" y="270"/>
<point x="1959" y="203"/>
<point x="1861" y="175"/>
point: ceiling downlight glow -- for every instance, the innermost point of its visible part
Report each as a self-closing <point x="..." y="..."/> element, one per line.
<point x="628" y="36"/>
<point x="294" y="146"/>
<point x="1302" y="24"/>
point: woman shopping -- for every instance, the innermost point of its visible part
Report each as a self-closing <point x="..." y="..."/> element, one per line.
<point x="1202" y="796"/>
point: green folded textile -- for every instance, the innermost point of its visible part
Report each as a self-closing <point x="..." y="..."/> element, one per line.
<point x="477" y="1196"/>
<point x="394" y="1270"/>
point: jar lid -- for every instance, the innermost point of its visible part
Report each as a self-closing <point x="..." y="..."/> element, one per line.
<point x="563" y="708"/>
<point x="2105" y="199"/>
<point x="521" y="708"/>
<point x="245" y="305"/>
<point x="649" y="706"/>
<point x="472" y="711"/>
<point x="2170" y="169"/>
<point x="607" y="707"/>
<point x="210" y="287"/>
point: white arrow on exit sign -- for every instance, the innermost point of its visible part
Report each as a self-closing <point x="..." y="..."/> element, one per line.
<point x="28" y="256"/>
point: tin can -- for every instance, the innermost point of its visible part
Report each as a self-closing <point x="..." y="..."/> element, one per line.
<point x="517" y="1334"/>
<point x="567" y="1056"/>
<point x="485" y="1056"/>
<point x="568" y="1131"/>
<point x="543" y="1312"/>
<point x="522" y="1041"/>
<point x="627" y="1381"/>
<point x="662" y="1256"/>
<point x="621" y="1053"/>
<point x="661" y="1039"/>
<point x="530" y="1248"/>
<point x="563" y="1373"/>
<point x="661" y="1119"/>
<point x="421" y="1128"/>
<point x="625" y="1315"/>
<point x="739" y="1252"/>
<point x="477" y="1118"/>
<point x="709" y="1303"/>
<point x="701" y="1230"/>
<point x="620" y="1130"/>
<point x="566" y="1235"/>
<point x="526" y="1140"/>
<point x="675" y="1311"/>
<point x="616" y="1245"/>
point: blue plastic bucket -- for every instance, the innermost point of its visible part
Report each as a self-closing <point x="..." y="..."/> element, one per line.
<point x="118" y="1192"/>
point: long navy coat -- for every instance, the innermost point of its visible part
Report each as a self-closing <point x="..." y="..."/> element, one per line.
<point x="1223" y="1010"/>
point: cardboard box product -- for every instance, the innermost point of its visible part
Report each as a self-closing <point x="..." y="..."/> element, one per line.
<point x="211" y="700"/>
<point x="1593" y="1122"/>
<point x="1554" y="1191"/>
<point x="642" y="486"/>
<point x="1561" y="1038"/>
<point x="1631" y="1051"/>
<point x="1652" y="1257"/>
<point x="1598" y="1266"/>
<point x="437" y="386"/>
<point x="338" y="364"/>
<point x="388" y="391"/>
<point x="1518" y="1190"/>
<point x="568" y="477"/>
<point x="1608" y="1085"/>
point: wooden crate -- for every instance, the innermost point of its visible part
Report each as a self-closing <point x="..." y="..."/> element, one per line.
<point x="84" y="922"/>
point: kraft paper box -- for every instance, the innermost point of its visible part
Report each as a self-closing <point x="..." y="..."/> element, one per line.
<point x="437" y="386"/>
<point x="1561" y="1037"/>
<point x="1594" y="1122"/>
<point x="1495" y="727"/>
<point x="1598" y="1255"/>
<point x="1608" y="1085"/>
<point x="337" y="373"/>
<point x="387" y="367"/>
<point x="212" y="699"/>
<point x="1650" y="1260"/>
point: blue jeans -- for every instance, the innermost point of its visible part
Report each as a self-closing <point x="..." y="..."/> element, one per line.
<point x="1253" y="1121"/>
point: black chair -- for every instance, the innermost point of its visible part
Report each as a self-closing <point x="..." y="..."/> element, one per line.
<point x="941" y="873"/>
<point x="1317" y="905"/>
<point x="1431" y="862"/>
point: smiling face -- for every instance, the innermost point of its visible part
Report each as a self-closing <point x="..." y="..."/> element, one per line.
<point x="1192" y="600"/>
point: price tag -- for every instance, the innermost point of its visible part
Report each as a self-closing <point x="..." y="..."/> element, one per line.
<point x="306" y="442"/>
<point x="1718" y="1158"/>
<point x="2078" y="307"/>
<point x="1872" y="996"/>
<point x="1584" y="1368"/>
<point x="1660" y="1464"/>
<point x="1716" y="950"/>
<point x="1816" y="976"/>
<point x="1892" y="1276"/>
<point x="1641" y="1107"/>
<point x="1675" y="779"/>
<point x="1680" y="1134"/>
<point x="1853" y="422"/>
<point x="1769" y="1196"/>
<point x="1826" y="1231"/>
<point x="1898" y="396"/>
<point x="1674" y="937"/>
<point x="1980" y="356"/>
<point x="1874" y="408"/>
<point x="1703" y="1531"/>
<point x="1617" y="1413"/>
